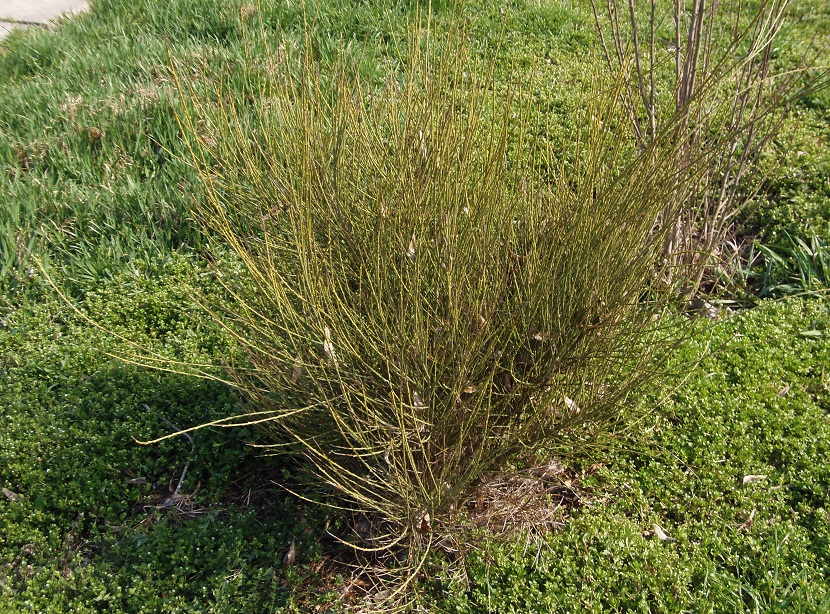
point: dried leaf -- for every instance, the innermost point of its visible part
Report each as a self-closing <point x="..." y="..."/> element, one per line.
<point x="328" y="347"/>
<point x="571" y="405"/>
<point x="298" y="368"/>
<point x="751" y="479"/>
<point x="11" y="496"/>
<point x="662" y="535"/>
<point x="291" y="556"/>
<point x="410" y="252"/>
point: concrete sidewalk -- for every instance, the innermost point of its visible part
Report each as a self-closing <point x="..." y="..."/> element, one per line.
<point x="25" y="13"/>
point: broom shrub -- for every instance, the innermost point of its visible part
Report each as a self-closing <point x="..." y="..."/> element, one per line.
<point x="426" y="292"/>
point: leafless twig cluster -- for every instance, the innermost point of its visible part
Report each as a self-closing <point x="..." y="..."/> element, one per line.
<point x="711" y="76"/>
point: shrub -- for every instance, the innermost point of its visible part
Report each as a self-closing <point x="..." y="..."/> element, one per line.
<point x="427" y="293"/>
<point x="725" y="55"/>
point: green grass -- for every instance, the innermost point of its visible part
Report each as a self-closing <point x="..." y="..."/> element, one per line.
<point x="90" y="177"/>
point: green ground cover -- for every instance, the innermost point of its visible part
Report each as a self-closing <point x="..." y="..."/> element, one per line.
<point x="91" y="180"/>
<point x="757" y="406"/>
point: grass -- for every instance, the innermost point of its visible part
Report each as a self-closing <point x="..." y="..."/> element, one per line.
<point x="90" y="177"/>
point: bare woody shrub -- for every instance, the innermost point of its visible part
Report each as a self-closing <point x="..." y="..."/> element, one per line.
<point x="708" y="72"/>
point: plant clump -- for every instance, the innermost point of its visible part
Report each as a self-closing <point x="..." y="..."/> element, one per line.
<point x="428" y="292"/>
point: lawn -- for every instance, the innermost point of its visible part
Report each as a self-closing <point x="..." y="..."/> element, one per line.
<point x="95" y="182"/>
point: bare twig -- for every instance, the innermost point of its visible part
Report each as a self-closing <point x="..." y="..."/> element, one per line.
<point x="734" y="123"/>
<point x="174" y="496"/>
